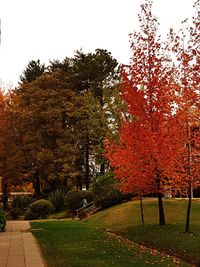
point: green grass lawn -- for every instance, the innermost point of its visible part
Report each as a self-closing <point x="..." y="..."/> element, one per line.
<point x="87" y="243"/>
<point x="125" y="220"/>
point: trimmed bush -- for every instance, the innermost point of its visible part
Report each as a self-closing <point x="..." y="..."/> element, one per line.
<point x="106" y="192"/>
<point x="57" y="198"/>
<point x="39" y="209"/>
<point x="2" y="220"/>
<point x="73" y="199"/>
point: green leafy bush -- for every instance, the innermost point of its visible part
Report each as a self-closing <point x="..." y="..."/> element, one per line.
<point x="2" y="220"/>
<point x="57" y="198"/>
<point x="39" y="209"/>
<point x="106" y="192"/>
<point x="19" y="204"/>
<point x="73" y="199"/>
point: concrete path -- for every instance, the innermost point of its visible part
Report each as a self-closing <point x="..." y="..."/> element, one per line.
<point x="18" y="247"/>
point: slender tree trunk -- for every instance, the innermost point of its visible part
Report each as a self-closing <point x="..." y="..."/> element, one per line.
<point x="79" y="163"/>
<point x="161" y="210"/>
<point x="101" y="100"/>
<point x="65" y="182"/>
<point x="5" y="193"/>
<point x="141" y="209"/>
<point x="187" y="225"/>
<point x="87" y="166"/>
<point x="99" y="94"/>
<point x="160" y="201"/>
<point x="36" y="184"/>
<point x="79" y="183"/>
<point x="102" y="168"/>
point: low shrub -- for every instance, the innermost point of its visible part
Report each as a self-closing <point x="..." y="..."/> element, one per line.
<point x="19" y="204"/>
<point x="39" y="209"/>
<point x="106" y="192"/>
<point x="15" y="213"/>
<point x="73" y="199"/>
<point x="2" y="220"/>
<point x="57" y="198"/>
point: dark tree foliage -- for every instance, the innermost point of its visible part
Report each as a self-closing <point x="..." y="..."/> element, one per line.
<point x="96" y="73"/>
<point x="34" y="70"/>
<point x="93" y="70"/>
<point x="59" y="116"/>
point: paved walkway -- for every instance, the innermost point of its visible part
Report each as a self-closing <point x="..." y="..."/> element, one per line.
<point x="18" y="247"/>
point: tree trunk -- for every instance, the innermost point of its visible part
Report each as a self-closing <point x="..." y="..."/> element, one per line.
<point x="102" y="168"/>
<point x="79" y="182"/>
<point x="101" y="100"/>
<point x="87" y="167"/>
<point x="79" y="164"/>
<point x="187" y="225"/>
<point x="141" y="209"/>
<point x="65" y="182"/>
<point x="5" y="193"/>
<point x="36" y="184"/>
<point x="161" y="210"/>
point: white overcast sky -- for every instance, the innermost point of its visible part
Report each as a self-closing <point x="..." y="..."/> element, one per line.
<point x="49" y="29"/>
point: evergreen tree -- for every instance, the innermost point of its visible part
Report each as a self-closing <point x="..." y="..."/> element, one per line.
<point x="34" y="70"/>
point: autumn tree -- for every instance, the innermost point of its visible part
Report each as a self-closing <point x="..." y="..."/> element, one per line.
<point x="3" y="129"/>
<point x="185" y="46"/>
<point x="9" y="171"/>
<point x="143" y="157"/>
<point x="48" y="113"/>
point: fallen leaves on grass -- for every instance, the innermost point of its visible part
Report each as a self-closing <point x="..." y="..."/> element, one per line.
<point x="140" y="250"/>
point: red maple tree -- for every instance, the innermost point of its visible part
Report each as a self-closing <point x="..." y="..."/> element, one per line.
<point x="144" y="156"/>
<point x="186" y="48"/>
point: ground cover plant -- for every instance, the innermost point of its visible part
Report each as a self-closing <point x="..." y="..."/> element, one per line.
<point x="91" y="242"/>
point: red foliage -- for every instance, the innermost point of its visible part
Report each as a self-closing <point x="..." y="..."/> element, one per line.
<point x="150" y="153"/>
